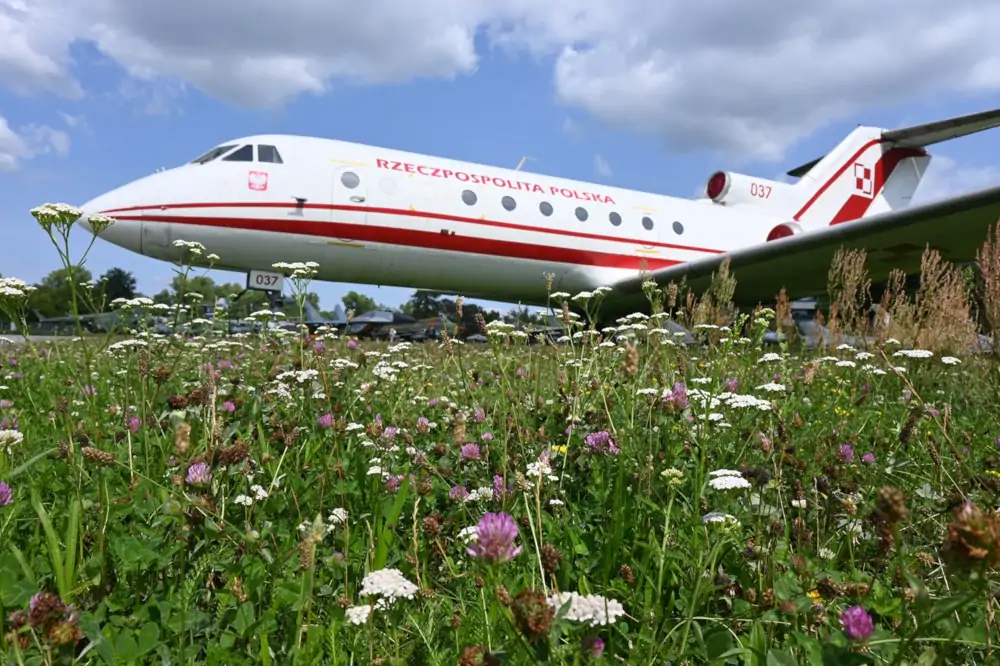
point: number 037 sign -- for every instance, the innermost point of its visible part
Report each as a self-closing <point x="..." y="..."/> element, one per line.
<point x="265" y="281"/>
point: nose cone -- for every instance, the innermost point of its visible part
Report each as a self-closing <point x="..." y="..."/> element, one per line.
<point x="126" y="231"/>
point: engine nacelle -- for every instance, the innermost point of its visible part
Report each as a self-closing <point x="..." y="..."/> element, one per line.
<point x="784" y="230"/>
<point x="728" y="188"/>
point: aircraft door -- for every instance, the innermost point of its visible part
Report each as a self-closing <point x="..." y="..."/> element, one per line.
<point x="157" y="237"/>
<point x="350" y="202"/>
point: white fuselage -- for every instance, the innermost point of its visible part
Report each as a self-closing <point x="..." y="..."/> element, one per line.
<point x="385" y="217"/>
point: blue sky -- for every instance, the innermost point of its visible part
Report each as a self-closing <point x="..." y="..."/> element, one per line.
<point x="123" y="122"/>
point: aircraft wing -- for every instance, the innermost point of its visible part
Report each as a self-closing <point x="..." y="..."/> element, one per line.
<point x="956" y="227"/>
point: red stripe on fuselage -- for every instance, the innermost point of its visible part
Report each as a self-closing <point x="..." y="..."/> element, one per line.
<point x="416" y="238"/>
<point x="416" y="213"/>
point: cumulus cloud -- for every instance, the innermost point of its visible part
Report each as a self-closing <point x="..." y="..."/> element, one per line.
<point x="746" y="78"/>
<point x="947" y="178"/>
<point x="30" y="142"/>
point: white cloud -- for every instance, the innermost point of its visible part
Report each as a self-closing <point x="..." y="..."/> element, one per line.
<point x="750" y="78"/>
<point x="947" y="178"/>
<point x="601" y="166"/>
<point x="32" y="141"/>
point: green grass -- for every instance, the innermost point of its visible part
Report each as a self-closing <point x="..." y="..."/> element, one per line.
<point x="155" y="567"/>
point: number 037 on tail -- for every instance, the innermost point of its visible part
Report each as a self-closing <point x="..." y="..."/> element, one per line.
<point x="379" y="216"/>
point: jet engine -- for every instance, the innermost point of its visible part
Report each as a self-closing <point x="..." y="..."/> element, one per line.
<point x="728" y="188"/>
<point x="784" y="230"/>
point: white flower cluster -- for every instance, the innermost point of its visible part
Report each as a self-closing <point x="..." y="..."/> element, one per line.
<point x="358" y="614"/>
<point x="338" y="516"/>
<point x="591" y="609"/>
<point x="14" y="288"/>
<point x="297" y="269"/>
<point x="389" y="584"/>
<point x="258" y="492"/>
<point x="914" y="353"/>
<point x="727" y="479"/>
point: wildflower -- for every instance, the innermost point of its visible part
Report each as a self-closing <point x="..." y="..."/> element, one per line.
<point x="358" y="614"/>
<point x="9" y="439"/>
<point x="532" y="614"/>
<point x="727" y="479"/>
<point x="857" y="623"/>
<point x="325" y="421"/>
<point x="199" y="474"/>
<point x="592" y="646"/>
<point x="973" y="538"/>
<point x="390" y="584"/>
<point x="677" y="397"/>
<point x="6" y="494"/>
<point x="134" y="424"/>
<point x="458" y="493"/>
<point x="229" y="406"/>
<point x="591" y="609"/>
<point x="495" y="536"/>
<point x="868" y="458"/>
<point x="846" y="453"/>
<point x="673" y="476"/>
<point x="601" y="442"/>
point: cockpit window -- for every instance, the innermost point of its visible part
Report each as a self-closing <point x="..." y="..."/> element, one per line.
<point x="214" y="153"/>
<point x="268" y="154"/>
<point x="244" y="154"/>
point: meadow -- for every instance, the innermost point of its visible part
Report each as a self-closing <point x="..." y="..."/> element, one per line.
<point x="617" y="497"/>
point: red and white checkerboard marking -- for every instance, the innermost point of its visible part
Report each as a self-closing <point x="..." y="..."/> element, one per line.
<point x="863" y="180"/>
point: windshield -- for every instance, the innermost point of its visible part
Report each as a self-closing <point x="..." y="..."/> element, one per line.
<point x="213" y="154"/>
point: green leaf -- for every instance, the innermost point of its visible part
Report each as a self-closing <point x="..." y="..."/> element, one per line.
<point x="927" y="657"/>
<point x="780" y="658"/>
<point x="244" y="618"/>
<point x="20" y="469"/>
<point x="717" y="643"/>
<point x="149" y="636"/>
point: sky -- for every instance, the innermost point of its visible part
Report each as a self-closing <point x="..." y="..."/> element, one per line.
<point x="648" y="96"/>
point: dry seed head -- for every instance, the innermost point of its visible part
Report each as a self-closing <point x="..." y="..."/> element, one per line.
<point x="182" y="439"/>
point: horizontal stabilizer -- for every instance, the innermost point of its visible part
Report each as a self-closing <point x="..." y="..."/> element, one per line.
<point x="921" y="136"/>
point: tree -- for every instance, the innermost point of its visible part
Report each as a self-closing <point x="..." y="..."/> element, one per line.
<point x="358" y="302"/>
<point x="118" y="283"/>
<point x="53" y="296"/>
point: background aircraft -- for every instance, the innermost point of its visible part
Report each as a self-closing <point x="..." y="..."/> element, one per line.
<point x="385" y="217"/>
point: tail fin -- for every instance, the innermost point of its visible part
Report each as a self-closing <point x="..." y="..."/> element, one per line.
<point x="874" y="170"/>
<point x="311" y="312"/>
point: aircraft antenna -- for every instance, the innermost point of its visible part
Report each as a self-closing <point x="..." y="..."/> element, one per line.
<point x="523" y="160"/>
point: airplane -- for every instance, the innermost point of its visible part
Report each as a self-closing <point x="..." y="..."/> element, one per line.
<point x="386" y="217"/>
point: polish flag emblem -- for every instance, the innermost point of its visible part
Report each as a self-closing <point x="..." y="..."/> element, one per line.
<point x="257" y="181"/>
<point x="863" y="181"/>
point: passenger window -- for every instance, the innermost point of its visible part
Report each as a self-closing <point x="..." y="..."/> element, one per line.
<point x="268" y="154"/>
<point x="508" y="203"/>
<point x="244" y="154"/>
<point x="647" y="224"/>
<point x="678" y="228"/>
<point x="546" y="208"/>
<point x="615" y="218"/>
<point x="581" y="214"/>
<point x="350" y="180"/>
<point x="214" y="153"/>
<point x="469" y="197"/>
